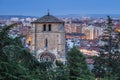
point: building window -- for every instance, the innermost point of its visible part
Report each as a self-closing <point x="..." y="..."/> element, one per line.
<point x="49" y="27"/>
<point x="44" y="27"/>
<point x="46" y="43"/>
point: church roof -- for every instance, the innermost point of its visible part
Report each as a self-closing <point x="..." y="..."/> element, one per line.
<point x="48" y="19"/>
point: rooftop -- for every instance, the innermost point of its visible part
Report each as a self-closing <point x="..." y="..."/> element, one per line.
<point x="76" y="34"/>
<point x="48" y="19"/>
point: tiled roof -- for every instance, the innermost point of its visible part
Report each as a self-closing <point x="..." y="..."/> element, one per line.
<point x="48" y="19"/>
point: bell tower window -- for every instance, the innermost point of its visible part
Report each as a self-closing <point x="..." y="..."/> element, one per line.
<point x="46" y="43"/>
<point x="44" y="27"/>
<point x="49" y="27"/>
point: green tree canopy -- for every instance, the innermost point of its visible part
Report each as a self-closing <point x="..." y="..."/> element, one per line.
<point x="77" y="66"/>
<point x="16" y="62"/>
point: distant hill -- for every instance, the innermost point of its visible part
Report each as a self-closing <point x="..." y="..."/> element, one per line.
<point x="3" y="17"/>
<point x="90" y="15"/>
<point x="18" y="16"/>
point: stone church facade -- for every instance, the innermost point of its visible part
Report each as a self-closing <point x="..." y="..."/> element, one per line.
<point x="48" y="38"/>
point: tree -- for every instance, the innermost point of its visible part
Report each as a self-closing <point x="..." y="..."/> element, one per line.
<point x="108" y="60"/>
<point x="61" y="71"/>
<point x="77" y="66"/>
<point x="17" y="63"/>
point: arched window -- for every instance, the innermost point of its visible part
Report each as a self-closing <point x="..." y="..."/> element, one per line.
<point x="46" y="43"/>
<point x="49" y="27"/>
<point x="44" y="27"/>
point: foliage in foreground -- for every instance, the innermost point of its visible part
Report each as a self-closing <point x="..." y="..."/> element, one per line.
<point x="16" y="62"/>
<point x="77" y="66"/>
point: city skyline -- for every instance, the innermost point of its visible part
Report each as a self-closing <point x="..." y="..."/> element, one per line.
<point x="62" y="7"/>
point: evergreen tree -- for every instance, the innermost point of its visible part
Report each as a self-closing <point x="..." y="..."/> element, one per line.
<point x="61" y="71"/>
<point x="108" y="60"/>
<point x="114" y="62"/>
<point x="77" y="66"/>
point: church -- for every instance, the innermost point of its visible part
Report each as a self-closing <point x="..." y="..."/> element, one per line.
<point x="48" y="38"/>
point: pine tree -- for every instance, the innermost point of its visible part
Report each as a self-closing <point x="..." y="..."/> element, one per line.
<point x="77" y="66"/>
<point x="107" y="62"/>
<point x="61" y="71"/>
<point x="114" y="63"/>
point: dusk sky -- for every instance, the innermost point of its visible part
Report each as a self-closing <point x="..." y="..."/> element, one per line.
<point x="58" y="7"/>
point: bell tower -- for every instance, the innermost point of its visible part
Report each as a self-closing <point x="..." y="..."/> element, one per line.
<point x="48" y="38"/>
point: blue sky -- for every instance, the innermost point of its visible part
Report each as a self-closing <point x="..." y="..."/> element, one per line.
<point x="58" y="7"/>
